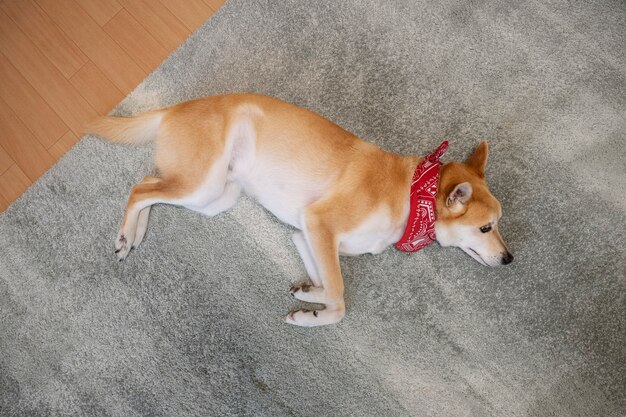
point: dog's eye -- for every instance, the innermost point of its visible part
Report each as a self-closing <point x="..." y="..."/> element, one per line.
<point x="485" y="228"/>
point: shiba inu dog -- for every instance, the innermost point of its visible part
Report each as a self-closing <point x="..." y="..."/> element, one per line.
<point x="346" y="196"/>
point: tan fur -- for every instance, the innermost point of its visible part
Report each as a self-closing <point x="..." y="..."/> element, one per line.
<point x="139" y="129"/>
<point x="208" y="150"/>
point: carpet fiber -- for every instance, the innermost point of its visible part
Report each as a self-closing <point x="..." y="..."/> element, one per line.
<point x="191" y="323"/>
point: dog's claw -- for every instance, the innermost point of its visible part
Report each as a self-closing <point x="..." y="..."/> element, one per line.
<point x="299" y="287"/>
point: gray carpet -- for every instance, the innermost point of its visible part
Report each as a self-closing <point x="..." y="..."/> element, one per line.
<point x="191" y="323"/>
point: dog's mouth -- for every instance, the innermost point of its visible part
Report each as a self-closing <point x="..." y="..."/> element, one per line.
<point x="476" y="256"/>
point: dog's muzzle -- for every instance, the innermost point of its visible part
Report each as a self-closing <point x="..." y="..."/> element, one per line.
<point x="507" y="258"/>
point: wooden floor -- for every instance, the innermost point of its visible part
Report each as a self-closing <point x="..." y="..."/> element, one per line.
<point x="63" y="62"/>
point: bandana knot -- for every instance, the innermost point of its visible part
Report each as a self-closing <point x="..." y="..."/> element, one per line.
<point x="420" y="228"/>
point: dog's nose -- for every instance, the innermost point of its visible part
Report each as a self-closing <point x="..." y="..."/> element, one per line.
<point x="507" y="258"/>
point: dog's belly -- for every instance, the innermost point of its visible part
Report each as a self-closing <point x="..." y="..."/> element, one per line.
<point x="282" y="183"/>
<point x="286" y="207"/>
<point x="286" y="185"/>
<point x="285" y="196"/>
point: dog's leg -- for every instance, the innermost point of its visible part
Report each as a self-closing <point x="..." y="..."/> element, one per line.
<point x="324" y="248"/>
<point x="229" y="197"/>
<point x="144" y="214"/>
<point x="142" y="196"/>
<point x="142" y="226"/>
<point x="307" y="258"/>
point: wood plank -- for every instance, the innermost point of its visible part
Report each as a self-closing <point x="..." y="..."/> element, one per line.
<point x="21" y="145"/>
<point x="4" y="204"/>
<point x="46" y="79"/>
<point x="136" y="41"/>
<point x="96" y="88"/>
<point x="215" y="4"/>
<point x="157" y="20"/>
<point x="192" y="13"/>
<point x="13" y="183"/>
<point x="29" y="106"/>
<point x="101" y="10"/>
<point x="50" y="40"/>
<point x="63" y="145"/>
<point x="5" y="160"/>
<point x="95" y="43"/>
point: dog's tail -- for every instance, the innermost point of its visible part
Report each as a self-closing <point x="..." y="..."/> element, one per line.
<point x="138" y="129"/>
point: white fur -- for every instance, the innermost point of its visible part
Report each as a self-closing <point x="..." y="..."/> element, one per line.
<point x="486" y="248"/>
<point x="374" y="235"/>
<point x="307" y="258"/>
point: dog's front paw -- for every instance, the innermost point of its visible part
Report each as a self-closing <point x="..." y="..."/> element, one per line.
<point x="122" y="246"/>
<point x="303" y="317"/>
<point x="296" y="288"/>
<point x="310" y="318"/>
<point x="308" y="293"/>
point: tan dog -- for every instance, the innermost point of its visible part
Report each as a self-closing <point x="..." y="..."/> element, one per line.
<point x="346" y="196"/>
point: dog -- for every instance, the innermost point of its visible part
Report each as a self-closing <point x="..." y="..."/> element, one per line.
<point x="344" y="195"/>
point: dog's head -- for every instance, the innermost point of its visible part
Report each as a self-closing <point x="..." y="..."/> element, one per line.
<point x="467" y="213"/>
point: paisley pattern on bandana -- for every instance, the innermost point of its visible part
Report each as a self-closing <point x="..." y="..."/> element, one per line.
<point x="420" y="228"/>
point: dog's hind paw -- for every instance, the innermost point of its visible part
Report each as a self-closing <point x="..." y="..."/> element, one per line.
<point x="122" y="247"/>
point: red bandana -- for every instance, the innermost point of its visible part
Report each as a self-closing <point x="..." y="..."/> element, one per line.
<point x="420" y="229"/>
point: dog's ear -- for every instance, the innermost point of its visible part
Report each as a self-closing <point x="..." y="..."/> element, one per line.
<point x="459" y="196"/>
<point x="478" y="160"/>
